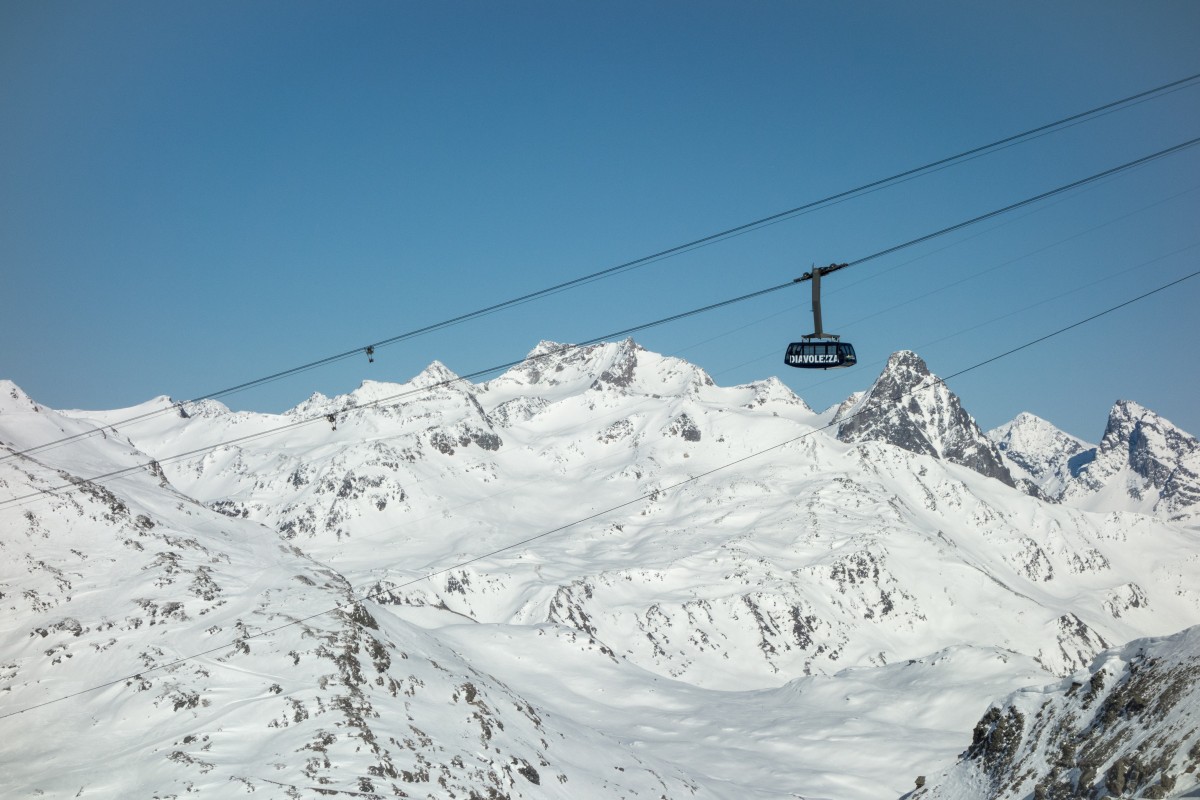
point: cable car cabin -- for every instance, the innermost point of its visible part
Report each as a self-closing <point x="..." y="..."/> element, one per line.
<point x="820" y="355"/>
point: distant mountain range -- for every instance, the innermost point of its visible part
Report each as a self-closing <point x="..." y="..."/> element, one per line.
<point x="1143" y="463"/>
<point x="597" y="575"/>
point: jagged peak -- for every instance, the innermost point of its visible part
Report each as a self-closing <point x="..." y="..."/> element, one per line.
<point x="930" y="420"/>
<point x="547" y="358"/>
<point x="379" y="393"/>
<point x="1123" y="417"/>
<point x="905" y="372"/>
<point x="1129" y="408"/>
<point x="546" y="348"/>
<point x="1144" y="462"/>
<point x="772" y="385"/>
<point x="1041" y="452"/>
<point x="906" y="361"/>
<point x="622" y="364"/>
<point x="1026" y="418"/>
<point x="370" y="393"/>
<point x="1127" y="417"/>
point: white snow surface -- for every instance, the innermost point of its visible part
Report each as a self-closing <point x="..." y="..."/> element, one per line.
<point x="435" y="588"/>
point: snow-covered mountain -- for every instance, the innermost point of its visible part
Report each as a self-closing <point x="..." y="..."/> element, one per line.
<point x="1141" y="458"/>
<point x="909" y="407"/>
<point x="598" y="575"/>
<point x="1124" y="727"/>
<point x="1039" y="454"/>
<point x="1143" y="463"/>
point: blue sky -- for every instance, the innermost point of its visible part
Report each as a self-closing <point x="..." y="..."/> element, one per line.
<point x="195" y="195"/>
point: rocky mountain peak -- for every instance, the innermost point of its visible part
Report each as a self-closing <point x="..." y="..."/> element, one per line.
<point x="317" y="403"/>
<point x="1152" y="444"/>
<point x="1025" y="430"/>
<point x="622" y="362"/>
<point x="908" y="407"/>
<point x="548" y="349"/>
<point x="1143" y="463"/>
<point x="1026" y="421"/>
<point x="1124" y="418"/>
<point x="904" y="374"/>
<point x="1161" y="462"/>
<point x="906" y="366"/>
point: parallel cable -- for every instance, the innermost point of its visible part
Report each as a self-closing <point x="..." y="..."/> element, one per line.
<point x="612" y="335"/>
<point x="1028" y="201"/>
<point x="703" y="241"/>
<point x="359" y="598"/>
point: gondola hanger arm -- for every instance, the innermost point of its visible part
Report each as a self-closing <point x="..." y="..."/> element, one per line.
<point x="822" y="270"/>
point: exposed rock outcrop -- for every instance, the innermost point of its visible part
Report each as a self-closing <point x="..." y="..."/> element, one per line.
<point x="1124" y="728"/>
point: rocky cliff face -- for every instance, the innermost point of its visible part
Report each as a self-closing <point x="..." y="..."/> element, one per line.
<point x="1124" y="728"/>
<point x="910" y="408"/>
